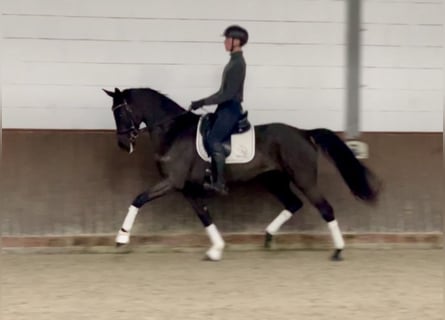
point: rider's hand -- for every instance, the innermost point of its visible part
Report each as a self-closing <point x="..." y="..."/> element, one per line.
<point x="196" y="104"/>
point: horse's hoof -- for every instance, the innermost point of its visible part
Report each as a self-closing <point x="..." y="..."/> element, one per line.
<point x="337" y="255"/>
<point x="122" y="238"/>
<point x="207" y="258"/>
<point x="268" y="241"/>
<point x="213" y="254"/>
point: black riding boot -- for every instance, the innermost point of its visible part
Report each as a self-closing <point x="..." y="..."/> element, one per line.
<point x="217" y="184"/>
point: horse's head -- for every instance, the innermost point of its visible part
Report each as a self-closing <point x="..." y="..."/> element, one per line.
<point x="127" y="122"/>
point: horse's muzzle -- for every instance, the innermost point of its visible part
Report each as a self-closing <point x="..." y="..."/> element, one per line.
<point x="127" y="142"/>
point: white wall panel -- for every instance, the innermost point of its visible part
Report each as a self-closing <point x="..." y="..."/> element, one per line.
<point x="167" y="53"/>
<point x="400" y="79"/>
<point x="405" y="121"/>
<point x="58" y="54"/>
<point x="403" y="12"/>
<point x="61" y="53"/>
<point x="403" y="35"/>
<point x="58" y="118"/>
<point x="402" y="75"/>
<point x="129" y="29"/>
<point x="279" y="10"/>
<point x="402" y="100"/>
<point x="401" y="57"/>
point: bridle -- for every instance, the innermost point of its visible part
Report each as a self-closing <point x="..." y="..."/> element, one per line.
<point x="133" y="130"/>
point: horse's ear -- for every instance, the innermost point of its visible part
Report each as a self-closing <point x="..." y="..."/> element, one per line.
<point x="117" y="91"/>
<point x="110" y="93"/>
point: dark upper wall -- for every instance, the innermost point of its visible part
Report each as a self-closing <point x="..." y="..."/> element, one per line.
<point x="61" y="182"/>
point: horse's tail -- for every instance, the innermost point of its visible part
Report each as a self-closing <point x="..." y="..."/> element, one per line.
<point x="360" y="180"/>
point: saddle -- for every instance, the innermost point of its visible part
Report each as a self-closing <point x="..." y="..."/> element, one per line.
<point x="243" y="125"/>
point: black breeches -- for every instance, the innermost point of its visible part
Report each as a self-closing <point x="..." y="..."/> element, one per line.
<point x="226" y="117"/>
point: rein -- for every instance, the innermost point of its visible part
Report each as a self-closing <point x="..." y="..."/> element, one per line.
<point x="133" y="129"/>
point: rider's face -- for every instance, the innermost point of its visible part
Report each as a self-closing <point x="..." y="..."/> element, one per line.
<point x="228" y="42"/>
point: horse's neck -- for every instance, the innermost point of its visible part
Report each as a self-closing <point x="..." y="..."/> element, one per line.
<point x="165" y="118"/>
<point x="166" y="110"/>
<point x="164" y="136"/>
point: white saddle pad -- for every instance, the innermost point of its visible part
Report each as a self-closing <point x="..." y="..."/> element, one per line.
<point x="242" y="146"/>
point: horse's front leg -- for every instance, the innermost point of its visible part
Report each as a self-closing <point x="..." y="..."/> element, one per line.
<point x="159" y="190"/>
<point x="215" y="252"/>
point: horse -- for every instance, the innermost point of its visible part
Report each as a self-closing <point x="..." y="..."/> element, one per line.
<point x="284" y="156"/>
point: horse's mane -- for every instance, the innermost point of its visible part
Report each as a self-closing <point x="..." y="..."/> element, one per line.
<point x="179" y="123"/>
<point x="130" y="94"/>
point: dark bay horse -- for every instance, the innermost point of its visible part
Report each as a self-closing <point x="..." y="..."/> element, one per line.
<point x="284" y="156"/>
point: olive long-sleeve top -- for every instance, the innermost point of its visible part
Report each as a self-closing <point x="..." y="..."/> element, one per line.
<point x="232" y="84"/>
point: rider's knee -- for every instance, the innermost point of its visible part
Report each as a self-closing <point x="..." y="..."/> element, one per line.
<point x="216" y="147"/>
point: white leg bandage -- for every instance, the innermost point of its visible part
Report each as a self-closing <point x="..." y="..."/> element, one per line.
<point x="276" y="224"/>
<point x="129" y="219"/>
<point x="216" y="250"/>
<point x="215" y="236"/>
<point x="337" y="237"/>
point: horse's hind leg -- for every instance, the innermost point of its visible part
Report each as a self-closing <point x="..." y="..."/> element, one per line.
<point x="327" y="213"/>
<point x="279" y="185"/>
<point x="216" y="250"/>
<point x="159" y="190"/>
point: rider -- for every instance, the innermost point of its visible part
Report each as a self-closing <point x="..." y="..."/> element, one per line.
<point x="228" y="98"/>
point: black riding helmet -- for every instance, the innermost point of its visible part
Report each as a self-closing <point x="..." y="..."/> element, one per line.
<point x="237" y="32"/>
